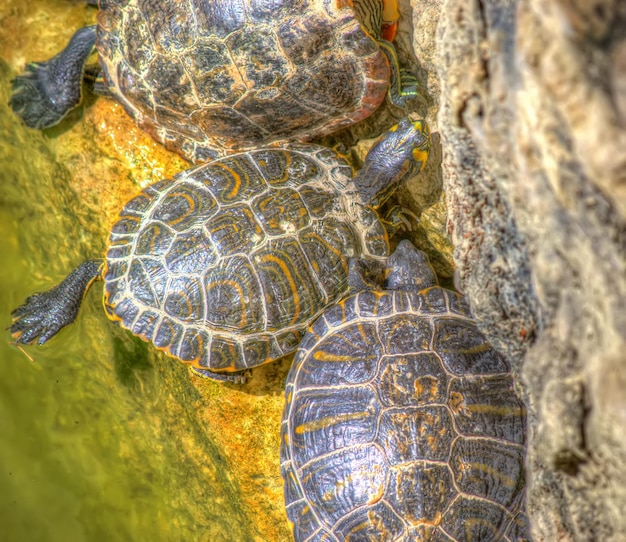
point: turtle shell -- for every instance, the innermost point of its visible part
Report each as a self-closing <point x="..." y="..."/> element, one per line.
<point x="225" y="265"/>
<point x="205" y="78"/>
<point x="402" y="424"/>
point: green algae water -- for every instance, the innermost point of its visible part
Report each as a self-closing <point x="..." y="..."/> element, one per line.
<point x="101" y="437"/>
<point x="97" y="442"/>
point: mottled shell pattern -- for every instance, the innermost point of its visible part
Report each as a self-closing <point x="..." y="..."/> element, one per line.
<point x="402" y="424"/>
<point x="201" y="76"/>
<point x="226" y="265"/>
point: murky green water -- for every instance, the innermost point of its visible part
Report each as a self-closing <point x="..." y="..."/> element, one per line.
<point x="91" y="432"/>
<point x="101" y="438"/>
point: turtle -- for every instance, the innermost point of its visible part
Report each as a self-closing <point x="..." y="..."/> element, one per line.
<point x="401" y="422"/>
<point x="225" y="265"/>
<point x="209" y="78"/>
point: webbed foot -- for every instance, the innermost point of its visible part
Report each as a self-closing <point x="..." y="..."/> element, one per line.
<point x="44" y="314"/>
<point x="47" y="91"/>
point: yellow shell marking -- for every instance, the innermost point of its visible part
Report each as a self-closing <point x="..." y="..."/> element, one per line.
<point x="292" y="285"/>
<point x="323" y="423"/>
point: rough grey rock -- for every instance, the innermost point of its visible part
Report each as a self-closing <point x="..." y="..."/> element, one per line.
<point x="533" y="127"/>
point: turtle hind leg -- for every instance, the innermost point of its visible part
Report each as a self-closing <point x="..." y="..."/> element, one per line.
<point x="44" y="314"/>
<point x="238" y="377"/>
<point x="47" y="91"/>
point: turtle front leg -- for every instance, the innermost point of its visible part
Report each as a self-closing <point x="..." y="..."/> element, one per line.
<point x="47" y="91"/>
<point x="399" y="219"/>
<point x="44" y="314"/>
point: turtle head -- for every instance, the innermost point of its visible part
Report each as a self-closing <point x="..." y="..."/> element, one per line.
<point x="409" y="269"/>
<point x="406" y="269"/>
<point x="397" y="155"/>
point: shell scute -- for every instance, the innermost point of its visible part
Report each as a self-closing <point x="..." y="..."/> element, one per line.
<point x="185" y="300"/>
<point x="464" y="350"/>
<point x="126" y="225"/>
<point x="353" y="39"/>
<point x="412" y="380"/>
<point x="306" y="521"/>
<point x="344" y="359"/>
<point x="120" y="251"/>
<point x="258" y="57"/>
<point x="126" y="311"/>
<point x="343" y="311"/>
<point x="169" y="85"/>
<point x="327" y="483"/>
<point x="218" y="79"/>
<point x="458" y="305"/>
<point x="488" y="469"/>
<point x="139" y="283"/>
<point x="435" y="301"/>
<point x="288" y="341"/>
<point x="339" y="236"/>
<point x="302" y="51"/>
<point x="317" y="201"/>
<point x="139" y="204"/>
<point x="408" y="484"/>
<point x="327" y="262"/>
<point x="352" y="526"/>
<point x="137" y="46"/>
<point x="184" y="206"/>
<point x="474" y="519"/>
<point x="233" y="302"/>
<point x="402" y="335"/>
<point x="172" y="25"/>
<point x="327" y="91"/>
<point x="291" y="291"/>
<point x="321" y="426"/>
<point x="236" y="231"/>
<point x="281" y="211"/>
<point x="191" y="253"/>
<point x="225" y="354"/>
<point x="226" y="120"/>
<point x="231" y="180"/>
<point x="154" y="240"/>
<point x="145" y="325"/>
<point x="416" y="434"/>
<point x="158" y="276"/>
<point x="487" y="406"/>
<point x="257" y="351"/>
<point x="293" y="168"/>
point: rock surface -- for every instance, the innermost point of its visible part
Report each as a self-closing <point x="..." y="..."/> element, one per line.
<point x="534" y="164"/>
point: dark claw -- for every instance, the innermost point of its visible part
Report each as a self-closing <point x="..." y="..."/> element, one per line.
<point x="47" y="91"/>
<point x="30" y="100"/>
<point x="38" y="319"/>
<point x="44" y="314"/>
